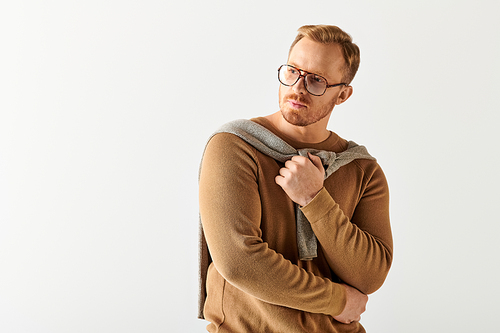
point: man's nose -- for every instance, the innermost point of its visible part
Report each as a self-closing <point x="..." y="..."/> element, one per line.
<point x="299" y="86"/>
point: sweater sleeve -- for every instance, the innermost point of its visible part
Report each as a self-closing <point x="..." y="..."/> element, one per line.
<point x="230" y="209"/>
<point x="359" y="250"/>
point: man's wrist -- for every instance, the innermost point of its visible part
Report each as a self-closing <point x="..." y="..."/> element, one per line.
<point x="311" y="198"/>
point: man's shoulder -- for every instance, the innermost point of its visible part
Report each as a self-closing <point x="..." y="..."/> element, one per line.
<point x="251" y="135"/>
<point x="226" y="142"/>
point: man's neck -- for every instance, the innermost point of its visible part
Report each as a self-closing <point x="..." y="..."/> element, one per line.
<point x="313" y="133"/>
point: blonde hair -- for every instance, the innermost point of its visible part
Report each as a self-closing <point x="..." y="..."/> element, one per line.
<point x="330" y="34"/>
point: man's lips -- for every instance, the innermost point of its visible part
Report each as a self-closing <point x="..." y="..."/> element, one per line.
<point x="295" y="104"/>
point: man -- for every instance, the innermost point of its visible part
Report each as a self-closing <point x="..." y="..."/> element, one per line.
<point x="259" y="279"/>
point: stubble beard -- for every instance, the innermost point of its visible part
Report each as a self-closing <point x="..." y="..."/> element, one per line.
<point x="303" y="117"/>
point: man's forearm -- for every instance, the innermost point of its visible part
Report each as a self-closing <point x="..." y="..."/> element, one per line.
<point x="357" y="257"/>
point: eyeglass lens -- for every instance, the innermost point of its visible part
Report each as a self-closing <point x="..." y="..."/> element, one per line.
<point x="315" y="84"/>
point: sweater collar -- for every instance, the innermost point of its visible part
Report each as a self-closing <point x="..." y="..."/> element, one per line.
<point x="333" y="143"/>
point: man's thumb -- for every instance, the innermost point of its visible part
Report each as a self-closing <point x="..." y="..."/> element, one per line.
<point x="316" y="161"/>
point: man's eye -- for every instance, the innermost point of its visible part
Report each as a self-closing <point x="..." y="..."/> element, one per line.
<point x="318" y="79"/>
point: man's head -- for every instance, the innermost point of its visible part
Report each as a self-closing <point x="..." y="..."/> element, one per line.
<point x="328" y="52"/>
<point x="330" y="34"/>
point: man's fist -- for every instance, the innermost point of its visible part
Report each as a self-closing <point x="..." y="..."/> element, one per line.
<point x="302" y="178"/>
<point x="354" y="307"/>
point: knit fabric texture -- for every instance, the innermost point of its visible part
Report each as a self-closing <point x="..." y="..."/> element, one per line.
<point x="273" y="146"/>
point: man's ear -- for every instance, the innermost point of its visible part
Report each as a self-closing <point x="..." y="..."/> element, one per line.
<point x="344" y="95"/>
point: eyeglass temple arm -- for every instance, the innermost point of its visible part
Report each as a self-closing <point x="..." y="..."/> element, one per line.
<point x="336" y="85"/>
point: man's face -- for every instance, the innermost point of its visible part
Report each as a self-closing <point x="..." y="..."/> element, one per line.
<point x="297" y="106"/>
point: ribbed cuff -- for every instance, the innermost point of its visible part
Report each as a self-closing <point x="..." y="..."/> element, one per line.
<point x="319" y="206"/>
<point x="338" y="301"/>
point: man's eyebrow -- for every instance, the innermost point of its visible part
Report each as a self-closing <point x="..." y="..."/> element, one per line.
<point x="318" y="73"/>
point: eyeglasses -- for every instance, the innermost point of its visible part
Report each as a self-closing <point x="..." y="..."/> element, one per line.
<point x="315" y="84"/>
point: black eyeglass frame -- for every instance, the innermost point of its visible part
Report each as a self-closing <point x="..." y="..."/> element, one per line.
<point x="305" y="81"/>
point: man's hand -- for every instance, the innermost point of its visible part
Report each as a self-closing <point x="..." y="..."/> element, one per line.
<point x="302" y="178"/>
<point x="354" y="307"/>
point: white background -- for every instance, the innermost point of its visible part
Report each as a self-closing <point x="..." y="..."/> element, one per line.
<point x="105" y="107"/>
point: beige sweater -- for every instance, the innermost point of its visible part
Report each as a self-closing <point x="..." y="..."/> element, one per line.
<point x="256" y="282"/>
